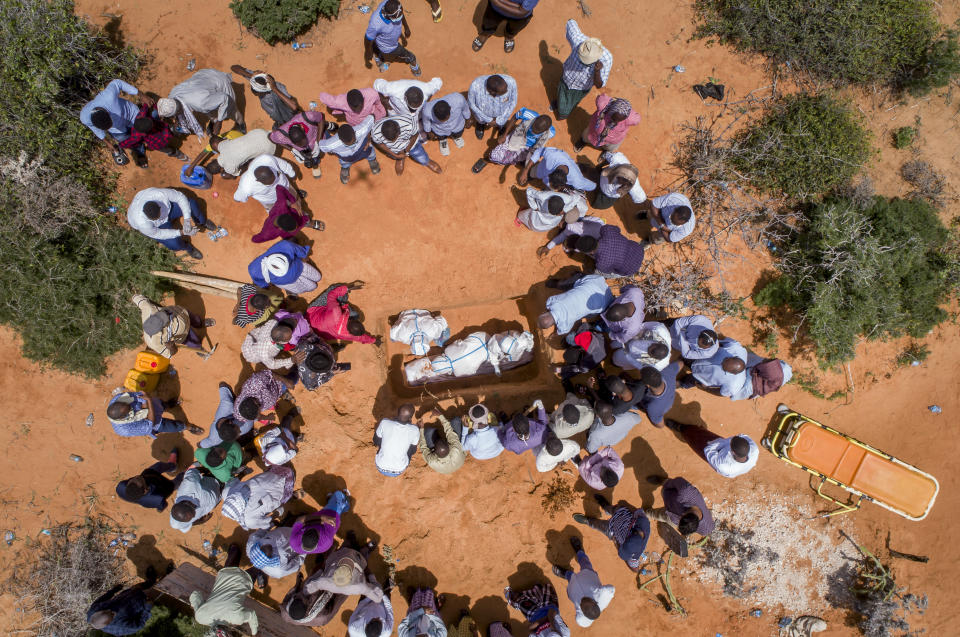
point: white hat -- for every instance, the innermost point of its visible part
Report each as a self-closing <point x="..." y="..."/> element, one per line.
<point x="590" y="50"/>
<point x="166" y="107"/>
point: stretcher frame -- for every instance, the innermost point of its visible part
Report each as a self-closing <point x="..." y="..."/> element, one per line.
<point x="781" y="440"/>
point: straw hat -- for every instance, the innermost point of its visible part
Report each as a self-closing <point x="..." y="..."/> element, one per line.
<point x="590" y="50"/>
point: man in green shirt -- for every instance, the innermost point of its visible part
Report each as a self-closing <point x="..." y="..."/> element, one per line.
<point x="222" y="461"/>
<point x="225" y="604"/>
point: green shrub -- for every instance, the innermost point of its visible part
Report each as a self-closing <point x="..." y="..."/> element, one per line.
<point x="282" y="20"/>
<point x="895" y="43"/>
<point x="164" y="622"/>
<point x="873" y="273"/>
<point x="904" y="136"/>
<point x="804" y="146"/>
<point x="69" y="269"/>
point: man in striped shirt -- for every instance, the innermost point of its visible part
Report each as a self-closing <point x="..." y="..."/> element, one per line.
<point x="397" y="137"/>
<point x="587" y="66"/>
<point x="628" y="528"/>
<point x="493" y="98"/>
<point x="352" y="144"/>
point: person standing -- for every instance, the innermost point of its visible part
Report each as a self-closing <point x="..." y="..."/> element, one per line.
<point x="724" y="373"/>
<point x="355" y="105"/>
<point x="407" y="97"/>
<point x="555" y="169"/>
<point x="121" y="611"/>
<point x="610" y="428"/>
<point x="274" y="97"/>
<point x="446" y="455"/>
<point x="693" y="336"/>
<point x="683" y="508"/>
<point x="398" y="137"/>
<point x="223" y="461"/>
<point x="136" y="414"/>
<point x="252" y="503"/>
<point x="109" y="114"/>
<point x="284" y="265"/>
<point x="370" y="618"/>
<point x="609" y="124"/>
<point x="590" y="294"/>
<point x="225" y="603"/>
<point x="584" y="589"/>
<point x="571" y="416"/>
<point x="554" y="452"/>
<point x="260" y="393"/>
<point x="601" y="469"/>
<point x="278" y="335"/>
<point x="264" y="174"/>
<point x="286" y="219"/>
<point x="423" y="616"/>
<point x="332" y="318"/>
<point x="444" y="118"/>
<point x="271" y="555"/>
<point x="661" y="390"/>
<point x="528" y="131"/>
<point x="671" y="218"/>
<point x="618" y="179"/>
<point x="255" y="305"/>
<point x="197" y="496"/>
<point x="524" y="434"/>
<point x="730" y="457"/>
<point x="208" y="92"/>
<point x="587" y="66"/>
<point x="516" y="14"/>
<point x="153" y="211"/>
<point x="628" y="528"/>
<point x="382" y="38"/>
<point x="540" y="607"/>
<point x="315" y="533"/>
<point x="225" y="428"/>
<point x="482" y="440"/>
<point x="150" y="489"/>
<point x="650" y="347"/>
<point x="546" y="209"/>
<point x="396" y="442"/>
<point x="150" y="132"/>
<point x="351" y="144"/>
<point x="492" y="98"/>
<point x="624" y="317"/>
<point x="165" y="327"/>
<point x="302" y="134"/>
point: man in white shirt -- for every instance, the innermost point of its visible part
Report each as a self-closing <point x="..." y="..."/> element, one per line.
<point x="396" y="442"/>
<point x="546" y="209"/>
<point x="618" y="178"/>
<point x="608" y="429"/>
<point x="350" y="145"/>
<point x="650" y="347"/>
<point x="482" y="440"/>
<point x="372" y="619"/>
<point x="554" y="451"/>
<point x="584" y="589"/>
<point x="571" y="416"/>
<point x="406" y="97"/>
<point x="671" y="218"/>
<point x="260" y="180"/>
<point x="730" y="457"/>
<point x="197" y="496"/>
<point x="153" y="211"/>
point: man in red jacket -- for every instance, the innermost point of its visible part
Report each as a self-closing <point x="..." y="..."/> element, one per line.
<point x="332" y="318"/>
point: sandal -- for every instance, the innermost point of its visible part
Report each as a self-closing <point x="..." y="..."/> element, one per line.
<point x="316" y="224"/>
<point x="508" y="46"/>
<point x="120" y="157"/>
<point x="478" y="43"/>
<point x="344" y="175"/>
<point x="438" y="14"/>
<point x="479" y="165"/>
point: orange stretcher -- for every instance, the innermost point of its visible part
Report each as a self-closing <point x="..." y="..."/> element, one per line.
<point x="841" y="460"/>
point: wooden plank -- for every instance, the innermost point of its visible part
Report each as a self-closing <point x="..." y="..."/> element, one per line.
<point x="187" y="578"/>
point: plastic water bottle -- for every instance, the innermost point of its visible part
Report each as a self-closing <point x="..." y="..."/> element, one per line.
<point x="915" y="364"/>
<point x="784" y="622"/>
<point x="301" y="45"/>
<point x="644" y="571"/>
<point x="364" y="9"/>
<point x="756" y="612"/>
<point x="112" y="209"/>
<point x="935" y="409"/>
<point x="89" y="420"/>
<point x="681" y="69"/>
<point x="9" y="536"/>
<point x="191" y="64"/>
<point x="75" y="457"/>
<point x="313" y="105"/>
<point x="45" y="531"/>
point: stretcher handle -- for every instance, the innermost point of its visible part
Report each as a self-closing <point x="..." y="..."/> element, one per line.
<point x="845" y="507"/>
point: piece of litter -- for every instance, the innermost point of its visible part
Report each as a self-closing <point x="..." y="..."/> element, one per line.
<point x="364" y="8"/>
<point x="679" y="69"/>
<point x="935" y="409"/>
<point x="89" y="420"/>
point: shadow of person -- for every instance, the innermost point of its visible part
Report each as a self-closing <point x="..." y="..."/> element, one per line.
<point x="627" y="211"/>
<point x="494" y="608"/>
<point x="414" y="577"/>
<point x="551" y="69"/>
<point x="161" y="447"/>
<point x="559" y="551"/>
<point x="319" y="485"/>
<point x="644" y="462"/>
<point x="144" y="554"/>
<point x="688" y="413"/>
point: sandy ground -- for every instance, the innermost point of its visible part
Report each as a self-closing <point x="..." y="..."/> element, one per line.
<point x="450" y="242"/>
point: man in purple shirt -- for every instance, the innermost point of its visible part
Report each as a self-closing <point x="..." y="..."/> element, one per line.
<point x="624" y="317"/>
<point x="524" y="433"/>
<point x="382" y="39"/>
<point x="683" y="508"/>
<point x="617" y="255"/>
<point x="600" y="470"/>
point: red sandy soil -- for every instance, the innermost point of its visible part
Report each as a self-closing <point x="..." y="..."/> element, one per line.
<point x="450" y="241"/>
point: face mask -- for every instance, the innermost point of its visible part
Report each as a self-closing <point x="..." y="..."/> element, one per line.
<point x="395" y="18"/>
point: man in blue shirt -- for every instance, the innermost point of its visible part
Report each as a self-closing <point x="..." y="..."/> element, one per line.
<point x="382" y="39"/>
<point x="122" y="612"/>
<point x="108" y="113"/>
<point x="556" y="169"/>
<point x="516" y="14"/>
<point x="724" y="373"/>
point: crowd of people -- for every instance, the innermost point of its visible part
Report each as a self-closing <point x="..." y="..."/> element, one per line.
<point x="295" y="343"/>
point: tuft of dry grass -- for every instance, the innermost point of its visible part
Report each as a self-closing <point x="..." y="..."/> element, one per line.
<point x="559" y="496"/>
<point x="54" y="581"/>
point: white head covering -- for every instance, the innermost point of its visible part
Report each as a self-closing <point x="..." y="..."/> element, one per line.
<point x="166" y="107"/>
<point x="590" y="50"/>
<point x="276" y="453"/>
<point x="258" y="83"/>
<point x="274" y="265"/>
